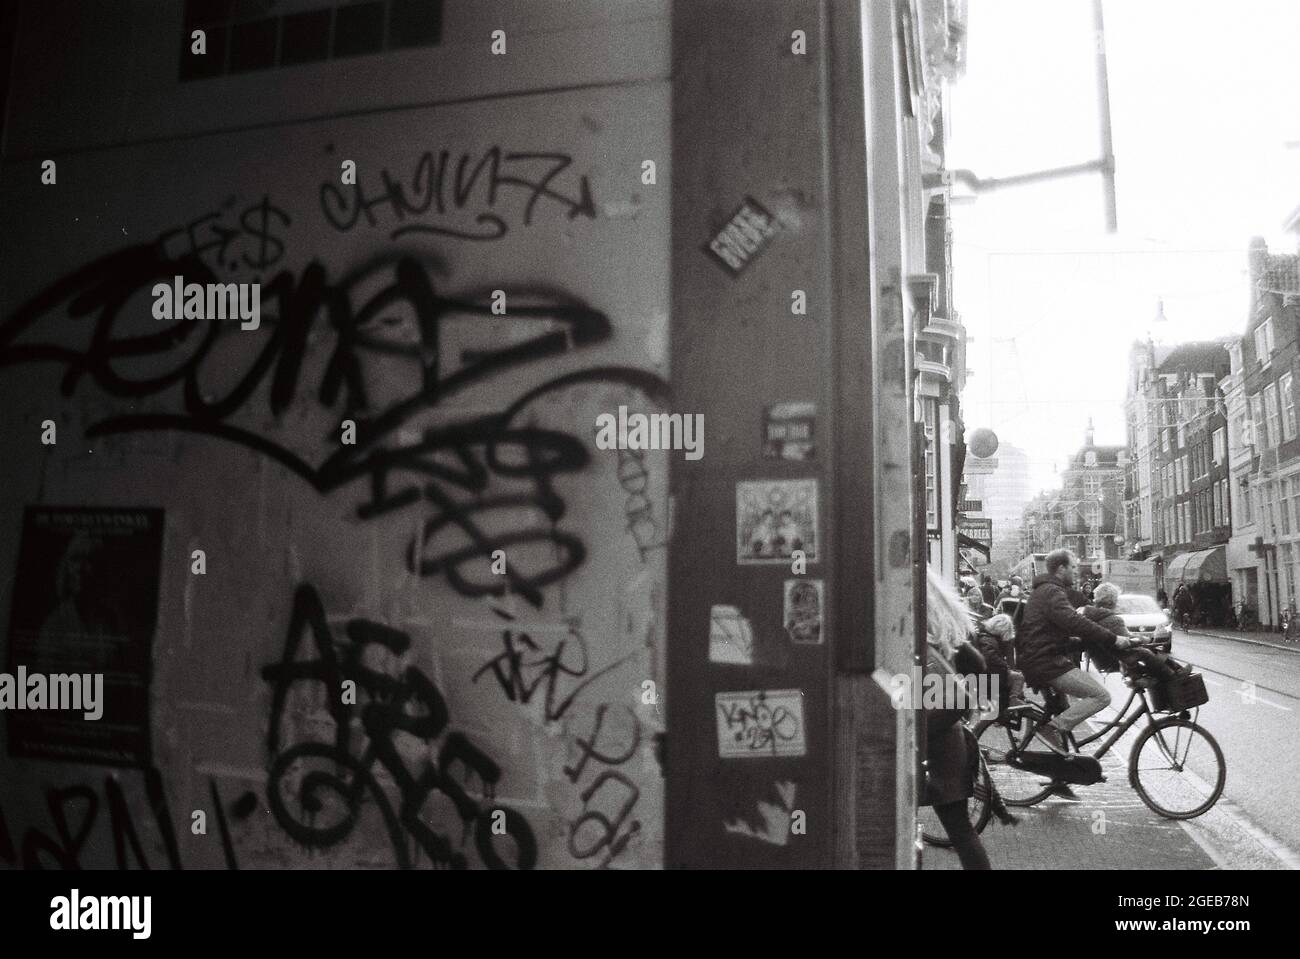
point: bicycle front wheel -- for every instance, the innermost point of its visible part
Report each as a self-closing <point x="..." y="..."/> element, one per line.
<point x="1177" y="768"/>
<point x="1000" y="743"/>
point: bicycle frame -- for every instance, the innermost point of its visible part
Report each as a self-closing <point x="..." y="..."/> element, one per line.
<point x="1121" y="724"/>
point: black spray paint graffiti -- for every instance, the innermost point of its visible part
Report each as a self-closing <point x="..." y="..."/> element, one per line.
<point x="74" y="811"/>
<point x="638" y="511"/>
<point x="317" y="790"/>
<point x="451" y="467"/>
<point x="429" y="189"/>
<point x="522" y="668"/>
<point x="608" y="800"/>
<point x="250" y="240"/>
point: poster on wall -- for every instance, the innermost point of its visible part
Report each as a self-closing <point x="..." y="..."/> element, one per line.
<point x="81" y="625"/>
<point x="774" y="518"/>
<point x="803" y="610"/>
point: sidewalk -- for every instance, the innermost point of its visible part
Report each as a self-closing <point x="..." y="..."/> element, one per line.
<point x="1109" y="828"/>
<point x="1259" y="638"/>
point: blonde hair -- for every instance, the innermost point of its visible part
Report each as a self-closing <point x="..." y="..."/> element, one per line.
<point x="999" y="625"/>
<point x="948" y="621"/>
<point x="1105" y="594"/>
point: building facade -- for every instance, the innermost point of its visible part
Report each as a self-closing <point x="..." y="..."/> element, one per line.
<point x="1266" y="461"/>
<point x="1002" y="487"/>
<point x="1086" y="515"/>
<point x="1178" y="505"/>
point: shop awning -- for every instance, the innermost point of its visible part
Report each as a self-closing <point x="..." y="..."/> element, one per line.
<point x="965" y="542"/>
<point x="1200" y="566"/>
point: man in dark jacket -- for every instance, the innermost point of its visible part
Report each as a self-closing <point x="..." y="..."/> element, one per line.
<point x="989" y="590"/>
<point x="1046" y="642"/>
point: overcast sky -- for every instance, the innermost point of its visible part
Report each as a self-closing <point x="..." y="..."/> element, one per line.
<point x="1203" y="107"/>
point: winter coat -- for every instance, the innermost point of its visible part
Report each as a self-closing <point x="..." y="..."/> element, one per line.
<point x="1044" y="643"/>
<point x="1106" y="656"/>
<point x="997" y="654"/>
<point x="952" y="756"/>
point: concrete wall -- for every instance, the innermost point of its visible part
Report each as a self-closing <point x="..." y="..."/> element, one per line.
<point x="240" y="177"/>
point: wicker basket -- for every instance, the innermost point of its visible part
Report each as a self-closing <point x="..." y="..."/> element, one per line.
<point x="1179" y="692"/>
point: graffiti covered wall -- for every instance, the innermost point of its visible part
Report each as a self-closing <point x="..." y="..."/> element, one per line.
<point x="434" y="640"/>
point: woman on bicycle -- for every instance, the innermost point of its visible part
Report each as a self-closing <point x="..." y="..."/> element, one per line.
<point x="952" y="754"/>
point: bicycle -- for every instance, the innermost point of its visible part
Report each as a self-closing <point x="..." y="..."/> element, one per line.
<point x="1168" y="741"/>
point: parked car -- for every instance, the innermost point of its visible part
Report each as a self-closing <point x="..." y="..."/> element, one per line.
<point x="1146" y="621"/>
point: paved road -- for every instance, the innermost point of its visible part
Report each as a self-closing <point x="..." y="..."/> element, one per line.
<point x="1254" y="713"/>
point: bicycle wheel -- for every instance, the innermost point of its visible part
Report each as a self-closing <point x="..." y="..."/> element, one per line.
<point x="999" y="742"/>
<point x="977" y="810"/>
<point x="1177" y="768"/>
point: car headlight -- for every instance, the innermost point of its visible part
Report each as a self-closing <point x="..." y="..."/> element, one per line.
<point x="1163" y="632"/>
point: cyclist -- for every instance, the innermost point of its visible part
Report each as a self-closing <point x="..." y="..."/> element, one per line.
<point x="1044" y="647"/>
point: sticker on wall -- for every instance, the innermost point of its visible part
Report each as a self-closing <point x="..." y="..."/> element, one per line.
<point x="803" y="610"/>
<point x="759" y="723"/>
<point x="771" y="820"/>
<point x="743" y="237"/>
<point x="731" y="640"/>
<point x="788" y="431"/>
<point x="774" y="518"/>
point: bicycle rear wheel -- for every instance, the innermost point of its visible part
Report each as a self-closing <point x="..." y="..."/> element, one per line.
<point x="999" y="743"/>
<point x="977" y="810"/>
<point x="1177" y="768"/>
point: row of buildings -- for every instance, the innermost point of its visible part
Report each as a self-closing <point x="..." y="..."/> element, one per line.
<point x="1211" y="483"/>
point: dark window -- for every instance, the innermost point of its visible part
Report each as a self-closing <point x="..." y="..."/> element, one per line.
<point x="414" y="23"/>
<point x="252" y="45"/>
<point x="358" y="28"/>
<point x="199" y="12"/>
<point x="306" y="37"/>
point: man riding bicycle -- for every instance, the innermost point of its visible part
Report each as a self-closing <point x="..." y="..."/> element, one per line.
<point x="1045" y="647"/>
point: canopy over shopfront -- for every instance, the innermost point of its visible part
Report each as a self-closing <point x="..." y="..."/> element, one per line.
<point x="1200" y="566"/>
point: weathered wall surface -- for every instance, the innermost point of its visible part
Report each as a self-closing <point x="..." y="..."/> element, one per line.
<point x="373" y="561"/>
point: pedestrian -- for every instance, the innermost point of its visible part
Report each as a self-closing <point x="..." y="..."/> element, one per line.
<point x="952" y="754"/>
<point x="989" y="590"/>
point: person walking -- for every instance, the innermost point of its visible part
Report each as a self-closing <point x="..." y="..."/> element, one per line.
<point x="989" y="590"/>
<point x="952" y="755"/>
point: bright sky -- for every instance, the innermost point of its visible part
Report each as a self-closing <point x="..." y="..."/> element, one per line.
<point x="1203" y="106"/>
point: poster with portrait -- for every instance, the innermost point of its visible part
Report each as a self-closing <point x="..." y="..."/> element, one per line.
<point x="85" y="601"/>
<point x="803" y="610"/>
<point x="774" y="518"/>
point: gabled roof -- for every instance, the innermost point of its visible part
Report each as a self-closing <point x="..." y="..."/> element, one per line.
<point x="1205" y="356"/>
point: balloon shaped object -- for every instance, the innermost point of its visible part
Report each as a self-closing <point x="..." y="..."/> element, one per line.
<point x="983" y="442"/>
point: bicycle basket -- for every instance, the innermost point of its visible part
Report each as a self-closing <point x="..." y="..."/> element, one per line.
<point x="1179" y="692"/>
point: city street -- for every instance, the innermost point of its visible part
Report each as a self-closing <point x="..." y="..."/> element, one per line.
<point x="1254" y="713"/>
<point x="1254" y="825"/>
